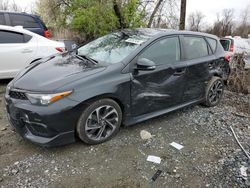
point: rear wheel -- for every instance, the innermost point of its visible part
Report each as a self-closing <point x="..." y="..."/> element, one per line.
<point x="99" y="122"/>
<point x="214" y="91"/>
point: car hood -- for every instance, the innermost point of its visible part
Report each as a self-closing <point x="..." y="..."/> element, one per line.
<point x="54" y="72"/>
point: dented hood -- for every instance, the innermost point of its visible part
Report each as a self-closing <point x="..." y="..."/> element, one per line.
<point x="54" y="72"/>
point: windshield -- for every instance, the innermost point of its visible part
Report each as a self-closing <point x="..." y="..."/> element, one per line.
<point x="112" y="48"/>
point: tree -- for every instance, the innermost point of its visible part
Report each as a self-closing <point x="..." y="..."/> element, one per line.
<point x="244" y="27"/>
<point x="10" y="6"/>
<point x="224" y="24"/>
<point x="227" y="21"/>
<point x="4" y="5"/>
<point x="183" y="14"/>
<point x="158" y="4"/>
<point x="195" y="21"/>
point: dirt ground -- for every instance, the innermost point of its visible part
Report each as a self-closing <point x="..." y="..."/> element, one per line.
<point x="210" y="157"/>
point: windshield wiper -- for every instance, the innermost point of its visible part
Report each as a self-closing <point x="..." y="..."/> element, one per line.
<point x="84" y="57"/>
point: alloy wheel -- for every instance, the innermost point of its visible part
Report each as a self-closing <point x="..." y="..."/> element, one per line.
<point x="215" y="92"/>
<point x="101" y="122"/>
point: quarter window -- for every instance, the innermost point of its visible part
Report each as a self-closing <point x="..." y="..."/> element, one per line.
<point x="212" y="43"/>
<point x="2" y="20"/>
<point x="195" y="47"/>
<point x="165" y="51"/>
<point x="13" y="37"/>
<point x="25" y="21"/>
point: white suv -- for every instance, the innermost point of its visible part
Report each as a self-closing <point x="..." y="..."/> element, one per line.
<point x="20" y="47"/>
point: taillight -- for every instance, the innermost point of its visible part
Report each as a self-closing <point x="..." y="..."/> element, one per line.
<point x="47" y="34"/>
<point x="60" y="49"/>
<point x="231" y="49"/>
<point x="227" y="58"/>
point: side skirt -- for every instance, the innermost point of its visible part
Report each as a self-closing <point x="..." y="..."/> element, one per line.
<point x="133" y="120"/>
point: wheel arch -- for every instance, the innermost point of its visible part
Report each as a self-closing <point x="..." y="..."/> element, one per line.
<point x="87" y="102"/>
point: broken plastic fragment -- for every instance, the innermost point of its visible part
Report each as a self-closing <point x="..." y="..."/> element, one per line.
<point x="145" y="135"/>
<point x="243" y="171"/>
<point x="154" y="159"/>
<point x="156" y="175"/>
<point x="176" y="145"/>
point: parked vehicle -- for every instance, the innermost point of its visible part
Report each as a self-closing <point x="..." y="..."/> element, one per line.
<point x="121" y="78"/>
<point x="20" y="47"/>
<point x="30" y="22"/>
<point x="236" y="45"/>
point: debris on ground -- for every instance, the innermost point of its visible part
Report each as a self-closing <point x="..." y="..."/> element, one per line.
<point x="154" y="159"/>
<point x="145" y="135"/>
<point x="156" y="175"/>
<point x="4" y="129"/>
<point x="176" y="145"/>
<point x="246" y="153"/>
<point x="243" y="171"/>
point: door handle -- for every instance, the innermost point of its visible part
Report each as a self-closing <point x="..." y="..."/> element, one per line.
<point x="27" y="50"/>
<point x="179" y="72"/>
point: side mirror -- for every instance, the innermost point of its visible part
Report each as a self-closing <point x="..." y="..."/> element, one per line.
<point x="145" y="65"/>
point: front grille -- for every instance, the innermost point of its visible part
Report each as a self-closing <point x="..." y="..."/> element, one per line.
<point x="18" y="95"/>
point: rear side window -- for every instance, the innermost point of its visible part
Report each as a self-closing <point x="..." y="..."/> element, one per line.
<point x="225" y="44"/>
<point x="2" y="20"/>
<point x="7" y="37"/>
<point x="23" y="20"/>
<point x="165" y="51"/>
<point x="212" y="43"/>
<point x="195" y="47"/>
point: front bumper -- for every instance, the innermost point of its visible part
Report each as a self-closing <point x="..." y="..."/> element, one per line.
<point x="47" y="126"/>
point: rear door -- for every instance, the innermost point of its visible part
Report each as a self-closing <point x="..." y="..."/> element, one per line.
<point x="163" y="87"/>
<point x="16" y="51"/>
<point x="199" y="57"/>
<point x="28" y="22"/>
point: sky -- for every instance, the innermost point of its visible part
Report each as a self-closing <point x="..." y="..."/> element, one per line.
<point x="208" y="7"/>
<point x="211" y="7"/>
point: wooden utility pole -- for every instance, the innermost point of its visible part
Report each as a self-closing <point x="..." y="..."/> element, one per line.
<point x="183" y="14"/>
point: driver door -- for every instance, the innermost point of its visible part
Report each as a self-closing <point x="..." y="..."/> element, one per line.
<point x="161" y="88"/>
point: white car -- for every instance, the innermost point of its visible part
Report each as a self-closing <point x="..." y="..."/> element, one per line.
<point x="234" y="45"/>
<point x="20" y="47"/>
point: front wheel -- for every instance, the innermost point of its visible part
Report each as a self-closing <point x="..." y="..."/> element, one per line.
<point x="214" y="91"/>
<point x="99" y="122"/>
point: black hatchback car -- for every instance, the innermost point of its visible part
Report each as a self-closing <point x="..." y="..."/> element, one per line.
<point x="121" y="78"/>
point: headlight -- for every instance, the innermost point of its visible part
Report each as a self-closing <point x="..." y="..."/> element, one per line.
<point x="46" y="99"/>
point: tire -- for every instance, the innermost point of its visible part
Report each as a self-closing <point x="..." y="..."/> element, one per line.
<point x="214" y="91"/>
<point x="94" y="130"/>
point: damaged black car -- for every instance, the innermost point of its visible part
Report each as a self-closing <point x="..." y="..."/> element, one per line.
<point x="119" y="79"/>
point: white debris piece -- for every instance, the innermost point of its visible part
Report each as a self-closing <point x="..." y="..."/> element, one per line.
<point x="243" y="171"/>
<point x="154" y="159"/>
<point x="145" y="135"/>
<point x="176" y="145"/>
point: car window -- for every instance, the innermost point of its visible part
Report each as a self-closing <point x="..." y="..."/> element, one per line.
<point x="212" y="43"/>
<point x="23" y="20"/>
<point x="165" y="51"/>
<point x="195" y="47"/>
<point x="13" y="37"/>
<point x="2" y="20"/>
<point x="225" y="44"/>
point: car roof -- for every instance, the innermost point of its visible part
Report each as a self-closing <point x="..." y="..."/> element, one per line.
<point x="13" y="12"/>
<point x="17" y="29"/>
<point x="156" y="32"/>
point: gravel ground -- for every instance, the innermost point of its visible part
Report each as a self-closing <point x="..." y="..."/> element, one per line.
<point x="210" y="157"/>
